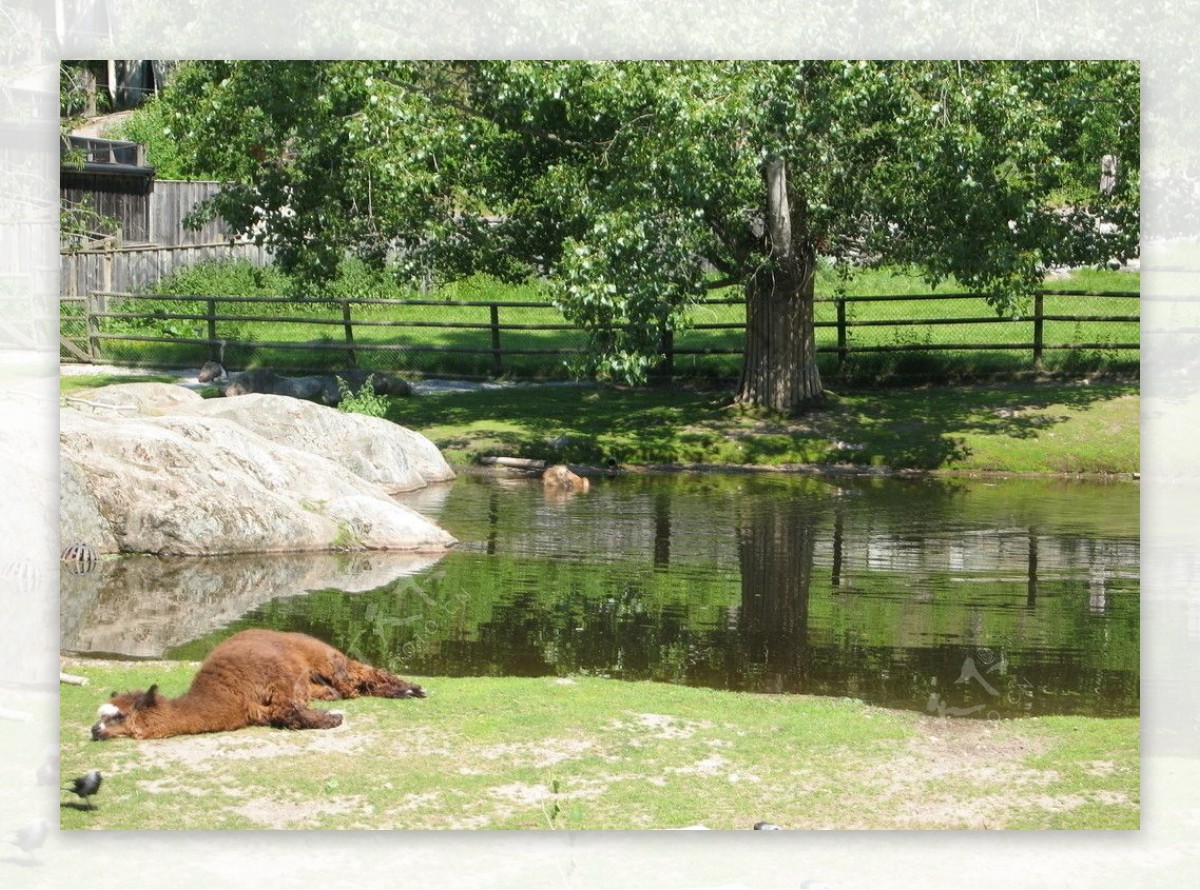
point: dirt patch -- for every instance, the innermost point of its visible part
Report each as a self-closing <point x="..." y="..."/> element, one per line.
<point x="542" y="754"/>
<point x="964" y="774"/>
<point x="522" y="794"/>
<point x="663" y="726"/>
<point x="708" y="766"/>
<point x="201" y="751"/>
<point x="279" y="814"/>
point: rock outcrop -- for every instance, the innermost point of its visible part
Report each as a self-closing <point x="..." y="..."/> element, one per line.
<point x="374" y="449"/>
<point x="146" y="470"/>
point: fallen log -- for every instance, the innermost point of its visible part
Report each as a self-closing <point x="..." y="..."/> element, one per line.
<point x="518" y="463"/>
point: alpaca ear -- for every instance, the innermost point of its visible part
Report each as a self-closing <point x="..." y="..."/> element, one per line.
<point x="147" y="699"/>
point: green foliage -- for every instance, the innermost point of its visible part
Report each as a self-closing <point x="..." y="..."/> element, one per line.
<point x="355" y="280"/>
<point x="151" y="125"/>
<point x="76" y="85"/>
<point x="213" y="278"/>
<point x="365" y="401"/>
<point x="625" y="183"/>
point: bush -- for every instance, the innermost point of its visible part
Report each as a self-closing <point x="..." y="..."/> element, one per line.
<point x="224" y="278"/>
<point x="365" y="401"/>
<point x="152" y="125"/>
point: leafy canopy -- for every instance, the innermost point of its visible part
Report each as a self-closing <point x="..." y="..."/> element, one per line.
<point x="635" y="186"/>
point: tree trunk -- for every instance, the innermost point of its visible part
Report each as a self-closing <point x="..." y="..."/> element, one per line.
<point x="779" y="367"/>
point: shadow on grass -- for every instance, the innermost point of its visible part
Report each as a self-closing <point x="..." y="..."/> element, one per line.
<point x="918" y="429"/>
<point x="921" y="429"/>
<point x="568" y="423"/>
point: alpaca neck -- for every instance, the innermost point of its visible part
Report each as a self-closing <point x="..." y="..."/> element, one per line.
<point x="189" y="714"/>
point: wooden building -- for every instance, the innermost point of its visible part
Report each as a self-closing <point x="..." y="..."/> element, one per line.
<point x="110" y="178"/>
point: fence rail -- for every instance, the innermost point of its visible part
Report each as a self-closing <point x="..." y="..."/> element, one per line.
<point x="109" y="325"/>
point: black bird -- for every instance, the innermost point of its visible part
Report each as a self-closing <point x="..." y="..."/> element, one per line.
<point x="766" y="826"/>
<point x="87" y="785"/>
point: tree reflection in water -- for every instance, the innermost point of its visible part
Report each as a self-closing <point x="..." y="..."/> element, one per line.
<point x="876" y="589"/>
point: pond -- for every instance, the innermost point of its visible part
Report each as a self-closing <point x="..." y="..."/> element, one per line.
<point x="959" y="597"/>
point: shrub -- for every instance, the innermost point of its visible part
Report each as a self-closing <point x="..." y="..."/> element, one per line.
<point x="365" y="401"/>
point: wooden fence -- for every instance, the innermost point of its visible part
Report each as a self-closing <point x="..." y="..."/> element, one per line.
<point x="129" y="268"/>
<point x="1037" y="346"/>
<point x="170" y="203"/>
<point x="351" y="330"/>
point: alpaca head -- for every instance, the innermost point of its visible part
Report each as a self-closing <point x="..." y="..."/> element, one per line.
<point x="125" y="714"/>
<point x="210" y="371"/>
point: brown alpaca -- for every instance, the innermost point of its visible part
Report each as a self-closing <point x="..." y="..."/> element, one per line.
<point x="254" y="678"/>
<point x="561" y="477"/>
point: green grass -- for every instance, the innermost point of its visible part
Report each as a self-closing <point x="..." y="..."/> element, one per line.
<point x="588" y="753"/>
<point x="466" y="351"/>
<point x="78" y="383"/>
<point x="1039" y="428"/>
<point x="1015" y="428"/>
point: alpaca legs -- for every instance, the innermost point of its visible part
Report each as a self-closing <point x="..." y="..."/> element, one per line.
<point x="354" y="679"/>
<point x="300" y="716"/>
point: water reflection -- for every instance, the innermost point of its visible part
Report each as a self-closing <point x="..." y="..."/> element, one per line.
<point x="141" y="607"/>
<point x="964" y="598"/>
<point x="776" y="540"/>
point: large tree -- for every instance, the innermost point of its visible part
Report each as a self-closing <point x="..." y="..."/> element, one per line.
<point x="635" y="187"/>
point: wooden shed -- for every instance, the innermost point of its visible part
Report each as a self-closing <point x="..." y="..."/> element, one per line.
<point x="112" y="178"/>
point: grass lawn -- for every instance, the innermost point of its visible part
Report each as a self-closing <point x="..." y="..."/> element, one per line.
<point x="589" y="753"/>
<point x="1045" y="427"/>
<point x="1013" y="427"/>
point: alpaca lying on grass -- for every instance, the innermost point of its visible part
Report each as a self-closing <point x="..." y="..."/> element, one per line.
<point x="320" y="388"/>
<point x="254" y="678"/>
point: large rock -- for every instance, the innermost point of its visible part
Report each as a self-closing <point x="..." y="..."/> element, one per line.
<point x="375" y="449"/>
<point x="126" y="399"/>
<point x="379" y="451"/>
<point x="169" y="477"/>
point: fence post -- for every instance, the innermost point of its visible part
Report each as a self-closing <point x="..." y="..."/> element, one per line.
<point x="348" y="324"/>
<point x="106" y="270"/>
<point x="212" y="330"/>
<point x="668" y="351"/>
<point x="494" y="311"/>
<point x="841" y="334"/>
<point x="1038" y="311"/>
<point x="91" y="324"/>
